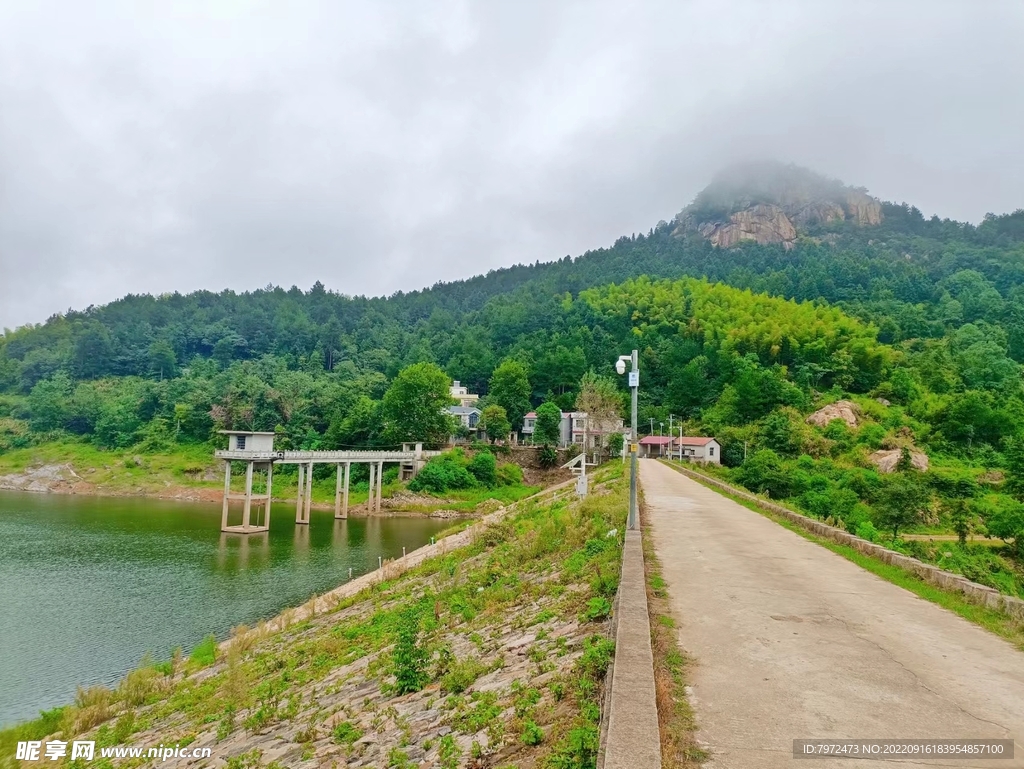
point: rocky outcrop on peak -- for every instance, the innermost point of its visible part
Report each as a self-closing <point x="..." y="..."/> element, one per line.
<point x="770" y="203"/>
<point x="761" y="223"/>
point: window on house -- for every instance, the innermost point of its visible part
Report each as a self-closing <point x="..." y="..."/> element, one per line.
<point x="711" y="451"/>
<point x="240" y="442"/>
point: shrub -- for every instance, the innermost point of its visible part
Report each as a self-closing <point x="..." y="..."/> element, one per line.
<point x="449" y="752"/>
<point x="509" y="474"/>
<point x="597" y="608"/>
<point x="461" y="675"/>
<point x="444" y="473"/>
<point x="409" y="658"/>
<point x="532" y="734"/>
<point x="866" y="530"/>
<point x="484" y="469"/>
<point x="548" y="456"/>
<point x="346" y="733"/>
<point x="764" y="471"/>
<point x="205" y="652"/>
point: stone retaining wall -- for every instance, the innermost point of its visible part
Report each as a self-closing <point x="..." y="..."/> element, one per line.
<point x="972" y="591"/>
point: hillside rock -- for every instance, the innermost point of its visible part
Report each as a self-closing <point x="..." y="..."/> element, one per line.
<point x="760" y="223"/>
<point x="845" y="410"/>
<point x="885" y="459"/>
<point x="770" y="203"/>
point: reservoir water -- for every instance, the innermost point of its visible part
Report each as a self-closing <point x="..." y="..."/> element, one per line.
<point x="89" y="585"/>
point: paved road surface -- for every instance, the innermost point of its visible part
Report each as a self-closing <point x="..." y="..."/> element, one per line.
<point x="792" y="641"/>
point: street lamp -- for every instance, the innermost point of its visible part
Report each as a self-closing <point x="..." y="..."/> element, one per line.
<point x="634" y="385"/>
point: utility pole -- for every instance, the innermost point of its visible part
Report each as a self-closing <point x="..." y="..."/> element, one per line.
<point x="652" y="426"/>
<point x="634" y="439"/>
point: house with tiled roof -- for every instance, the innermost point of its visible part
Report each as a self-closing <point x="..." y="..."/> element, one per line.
<point x="687" y="448"/>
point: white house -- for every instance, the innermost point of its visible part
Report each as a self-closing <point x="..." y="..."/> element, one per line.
<point x="462" y="395"/>
<point x="574" y="426"/>
<point x="691" y="449"/>
<point x="564" y="428"/>
<point x="694" y="449"/>
<point x="594" y="431"/>
<point x="468" y="417"/>
<point x="247" y="440"/>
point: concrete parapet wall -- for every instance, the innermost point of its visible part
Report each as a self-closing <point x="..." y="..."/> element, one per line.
<point x="633" y="739"/>
<point x="972" y="591"/>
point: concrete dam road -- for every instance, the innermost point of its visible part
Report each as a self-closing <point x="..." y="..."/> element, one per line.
<point x="791" y="641"/>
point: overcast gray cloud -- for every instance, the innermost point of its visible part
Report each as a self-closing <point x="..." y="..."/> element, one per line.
<point x="153" y="147"/>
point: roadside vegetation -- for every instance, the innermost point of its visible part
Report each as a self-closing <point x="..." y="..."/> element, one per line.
<point x="1001" y="624"/>
<point x="493" y="654"/>
<point x="978" y="512"/>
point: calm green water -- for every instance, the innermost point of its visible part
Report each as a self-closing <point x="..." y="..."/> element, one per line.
<point x="90" y="585"/>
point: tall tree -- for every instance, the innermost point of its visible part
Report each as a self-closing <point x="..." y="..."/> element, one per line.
<point x="599" y="397"/>
<point x="901" y="501"/>
<point x="548" y="428"/>
<point x="415" y="406"/>
<point x="163" y="364"/>
<point x="495" y="423"/>
<point x="510" y="388"/>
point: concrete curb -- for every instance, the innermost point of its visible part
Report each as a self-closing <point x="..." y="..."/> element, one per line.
<point x="633" y="737"/>
<point x="972" y="591"/>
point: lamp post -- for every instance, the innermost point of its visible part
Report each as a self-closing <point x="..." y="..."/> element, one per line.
<point x="634" y="385"/>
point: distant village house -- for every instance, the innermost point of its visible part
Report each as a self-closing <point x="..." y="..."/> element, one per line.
<point x="575" y="428"/>
<point x="465" y="409"/>
<point x="688" y="448"/>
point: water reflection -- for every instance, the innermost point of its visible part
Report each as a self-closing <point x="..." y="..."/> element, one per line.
<point x="235" y="550"/>
<point x="92" y="582"/>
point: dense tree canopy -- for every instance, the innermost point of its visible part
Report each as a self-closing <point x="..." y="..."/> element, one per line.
<point x="921" y="321"/>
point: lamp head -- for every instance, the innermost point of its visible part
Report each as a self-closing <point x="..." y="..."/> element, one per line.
<point x="620" y="366"/>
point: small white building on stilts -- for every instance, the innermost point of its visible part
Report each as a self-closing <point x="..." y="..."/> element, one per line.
<point x="256" y="450"/>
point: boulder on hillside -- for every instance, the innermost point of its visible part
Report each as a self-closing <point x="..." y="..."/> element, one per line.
<point x="886" y="459"/>
<point x="845" y="410"/>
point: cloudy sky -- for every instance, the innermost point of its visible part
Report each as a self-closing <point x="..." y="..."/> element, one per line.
<point x="153" y="147"/>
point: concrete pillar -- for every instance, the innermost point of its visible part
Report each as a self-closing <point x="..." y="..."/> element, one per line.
<point x="380" y="484"/>
<point x="301" y="494"/>
<point x="370" y="493"/>
<point x="227" y="493"/>
<point x="337" y="491"/>
<point x="248" y="496"/>
<point x="344" y="493"/>
<point x="309" y="492"/>
<point x="270" y="477"/>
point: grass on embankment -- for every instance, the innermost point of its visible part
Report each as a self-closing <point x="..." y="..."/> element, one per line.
<point x="994" y="621"/>
<point x="508" y="656"/>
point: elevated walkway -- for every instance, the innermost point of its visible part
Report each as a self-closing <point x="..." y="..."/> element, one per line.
<point x="257" y="451"/>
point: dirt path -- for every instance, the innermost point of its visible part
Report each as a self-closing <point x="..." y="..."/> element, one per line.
<point x="791" y="641"/>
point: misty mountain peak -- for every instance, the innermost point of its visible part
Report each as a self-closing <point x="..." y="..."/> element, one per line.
<point x="771" y="202"/>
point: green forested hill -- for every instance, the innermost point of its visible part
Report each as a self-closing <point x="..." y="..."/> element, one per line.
<point x="948" y="296"/>
<point x="919" y="321"/>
